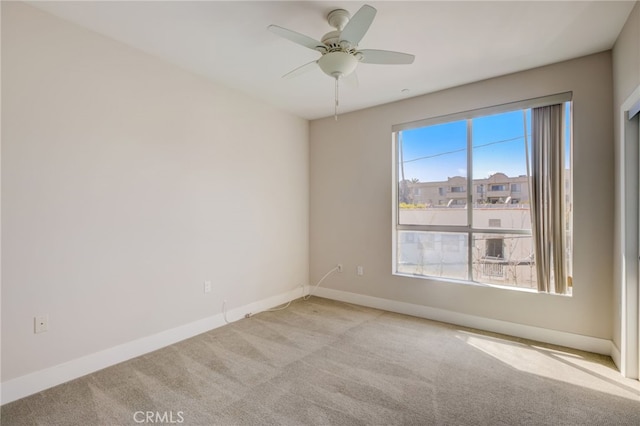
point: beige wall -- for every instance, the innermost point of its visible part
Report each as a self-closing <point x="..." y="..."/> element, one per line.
<point x="127" y="182"/>
<point x="626" y="79"/>
<point x="350" y="205"/>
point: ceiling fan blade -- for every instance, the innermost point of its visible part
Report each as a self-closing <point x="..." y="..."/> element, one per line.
<point x="297" y="38"/>
<point x="373" y="56"/>
<point x="358" y="25"/>
<point x="301" y="69"/>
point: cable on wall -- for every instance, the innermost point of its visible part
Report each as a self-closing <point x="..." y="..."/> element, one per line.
<point x="336" y="268"/>
<point x="307" y="297"/>
<point x="224" y="311"/>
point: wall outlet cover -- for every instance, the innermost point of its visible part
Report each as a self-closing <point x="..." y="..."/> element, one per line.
<point x="41" y="323"/>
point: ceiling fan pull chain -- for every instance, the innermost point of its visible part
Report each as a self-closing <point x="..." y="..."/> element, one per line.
<point x="335" y="114"/>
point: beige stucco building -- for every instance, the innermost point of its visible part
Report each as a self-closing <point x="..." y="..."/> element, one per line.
<point x="496" y="189"/>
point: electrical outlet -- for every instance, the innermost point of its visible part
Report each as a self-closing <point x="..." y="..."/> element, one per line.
<point x="207" y="286"/>
<point x="339" y="267"/>
<point x="41" y="324"/>
<point x="360" y="270"/>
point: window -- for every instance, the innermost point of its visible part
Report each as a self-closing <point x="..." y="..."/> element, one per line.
<point x="474" y="149"/>
<point x="494" y="248"/>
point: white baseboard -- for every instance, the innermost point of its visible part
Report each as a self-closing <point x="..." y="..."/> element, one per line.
<point x="37" y="381"/>
<point x="561" y="338"/>
<point x="615" y="356"/>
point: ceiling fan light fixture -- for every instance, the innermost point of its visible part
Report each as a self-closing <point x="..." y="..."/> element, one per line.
<point x="338" y="64"/>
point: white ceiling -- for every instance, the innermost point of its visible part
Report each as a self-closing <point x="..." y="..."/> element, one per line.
<point x="454" y="42"/>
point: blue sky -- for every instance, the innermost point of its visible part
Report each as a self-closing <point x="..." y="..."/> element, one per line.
<point x="445" y="146"/>
<point x="498" y="141"/>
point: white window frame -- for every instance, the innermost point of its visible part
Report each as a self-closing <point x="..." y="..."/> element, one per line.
<point x="469" y="229"/>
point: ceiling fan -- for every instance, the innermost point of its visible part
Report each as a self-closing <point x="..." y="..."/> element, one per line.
<point x="339" y="48"/>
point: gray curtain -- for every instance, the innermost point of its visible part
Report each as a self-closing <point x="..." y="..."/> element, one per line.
<point x="547" y="197"/>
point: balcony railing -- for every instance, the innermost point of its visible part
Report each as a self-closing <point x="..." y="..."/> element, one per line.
<point x="495" y="270"/>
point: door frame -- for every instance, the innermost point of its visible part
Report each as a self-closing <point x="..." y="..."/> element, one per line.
<point x="629" y="243"/>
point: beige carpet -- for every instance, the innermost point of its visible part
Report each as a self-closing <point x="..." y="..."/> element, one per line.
<point x="322" y="362"/>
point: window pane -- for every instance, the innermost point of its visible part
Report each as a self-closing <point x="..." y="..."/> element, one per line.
<point x="432" y="170"/>
<point x="504" y="259"/>
<point x="500" y="170"/>
<point x="438" y="254"/>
